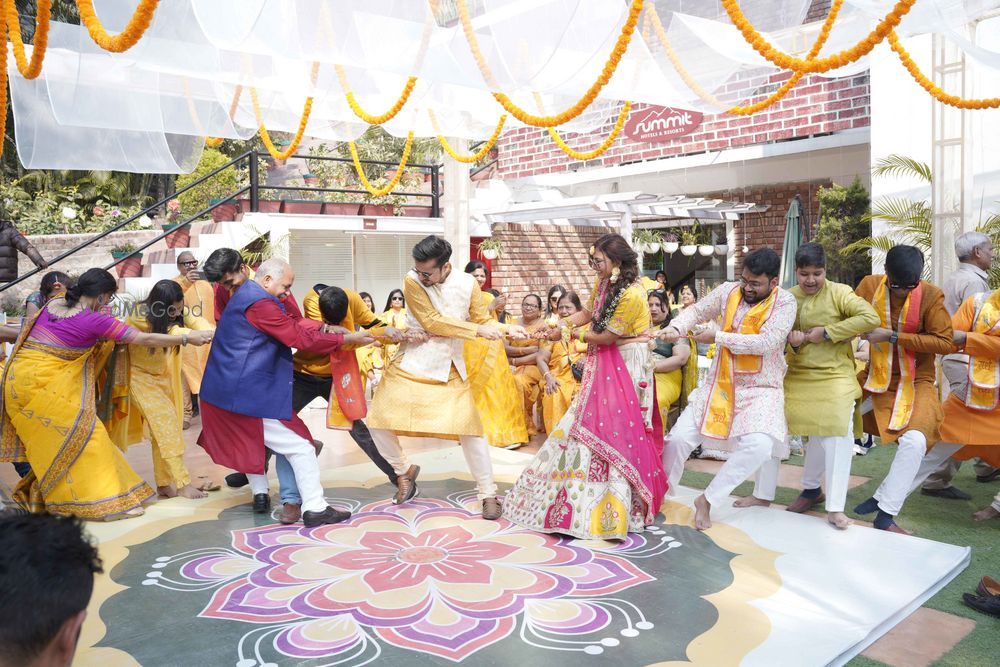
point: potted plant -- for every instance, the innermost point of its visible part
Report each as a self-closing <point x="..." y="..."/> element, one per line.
<point x="131" y="266"/>
<point x="705" y="247"/>
<point x="490" y="249"/>
<point x="389" y="204"/>
<point x="646" y="240"/>
<point x="180" y="237"/>
<point x="670" y="243"/>
<point x="722" y="249"/>
<point x="218" y="188"/>
<point x="689" y="240"/>
<point x="341" y="203"/>
<point x="311" y="203"/>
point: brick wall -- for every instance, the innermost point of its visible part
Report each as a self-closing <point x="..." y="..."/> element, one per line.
<point x="51" y="245"/>
<point x="538" y="256"/>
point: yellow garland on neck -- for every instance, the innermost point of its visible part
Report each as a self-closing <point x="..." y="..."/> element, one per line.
<point x="361" y="113"/>
<point x="931" y="87"/>
<point x="605" y="145"/>
<point x="588" y="98"/>
<point x="478" y="155"/>
<point x="379" y="192"/>
<point x="303" y="121"/>
<point x="128" y="37"/>
<point x="29" y="70"/>
<point x="845" y="57"/>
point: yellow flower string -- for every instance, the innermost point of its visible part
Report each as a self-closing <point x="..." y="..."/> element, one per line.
<point x="380" y="192"/>
<point x="367" y="117"/>
<point x="128" y="37"/>
<point x="588" y="98"/>
<point x="212" y="142"/>
<point x="3" y="82"/>
<point x="478" y="155"/>
<point x="29" y="70"/>
<point x="845" y="57"/>
<point x="932" y="88"/>
<point x="605" y="145"/>
<point x="303" y="121"/>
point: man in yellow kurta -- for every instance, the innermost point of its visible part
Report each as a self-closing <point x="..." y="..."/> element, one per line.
<point x="313" y="376"/>
<point x="425" y="390"/>
<point x="199" y="301"/>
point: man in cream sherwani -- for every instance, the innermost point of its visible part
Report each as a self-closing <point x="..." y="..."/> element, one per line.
<point x="425" y="391"/>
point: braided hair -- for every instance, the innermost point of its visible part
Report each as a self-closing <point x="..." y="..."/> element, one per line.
<point x="620" y="253"/>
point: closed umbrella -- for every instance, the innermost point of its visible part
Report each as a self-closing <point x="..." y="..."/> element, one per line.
<point x="793" y="238"/>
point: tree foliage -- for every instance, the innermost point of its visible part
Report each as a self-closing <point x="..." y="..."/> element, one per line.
<point x="843" y="220"/>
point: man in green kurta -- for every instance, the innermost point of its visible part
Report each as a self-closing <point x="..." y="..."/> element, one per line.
<point x="821" y="386"/>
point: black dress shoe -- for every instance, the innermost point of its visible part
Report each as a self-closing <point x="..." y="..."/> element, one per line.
<point x="329" y="515"/>
<point x="988" y="605"/>
<point x="261" y="503"/>
<point x="990" y="477"/>
<point x="949" y="492"/>
<point x="236" y="480"/>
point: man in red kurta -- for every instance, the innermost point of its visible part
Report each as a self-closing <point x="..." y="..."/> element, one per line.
<point x="247" y="387"/>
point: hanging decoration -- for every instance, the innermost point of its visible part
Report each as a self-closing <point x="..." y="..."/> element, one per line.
<point x="604" y="146"/>
<point x="303" y="121"/>
<point x="127" y="38"/>
<point x="391" y="185"/>
<point x="934" y="89"/>
<point x="478" y="155"/>
<point x="29" y="70"/>
<point x="361" y="113"/>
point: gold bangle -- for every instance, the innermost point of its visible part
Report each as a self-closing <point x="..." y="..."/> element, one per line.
<point x="583" y="332"/>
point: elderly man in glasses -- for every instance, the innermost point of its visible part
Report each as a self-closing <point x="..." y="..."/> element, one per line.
<point x="901" y="403"/>
<point x="199" y="300"/>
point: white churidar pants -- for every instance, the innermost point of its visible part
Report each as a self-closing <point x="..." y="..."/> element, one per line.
<point x="910" y="450"/>
<point x="474" y="447"/>
<point x="301" y="456"/>
<point x="752" y="449"/>
<point x="932" y="461"/>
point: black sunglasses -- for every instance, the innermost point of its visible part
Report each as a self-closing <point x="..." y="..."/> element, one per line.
<point x="906" y="287"/>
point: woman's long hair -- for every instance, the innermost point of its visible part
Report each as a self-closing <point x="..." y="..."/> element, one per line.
<point x="49" y="281"/>
<point x="366" y="295"/>
<point x="619" y="252"/>
<point x="388" y="301"/>
<point x="548" y="298"/>
<point x="93" y="283"/>
<point x="661" y="296"/>
<point x="161" y="299"/>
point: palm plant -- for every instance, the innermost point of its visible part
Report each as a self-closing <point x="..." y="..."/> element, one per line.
<point x="910" y="221"/>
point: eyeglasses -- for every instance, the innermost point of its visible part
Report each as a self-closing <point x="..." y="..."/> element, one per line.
<point x="594" y="262"/>
<point x="658" y="290"/>
<point x="425" y="275"/>
<point x="752" y="283"/>
<point x="397" y="298"/>
<point x="903" y="287"/>
<point x="193" y="262"/>
<point x="528" y="306"/>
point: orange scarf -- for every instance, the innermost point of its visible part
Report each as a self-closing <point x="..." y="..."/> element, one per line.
<point x="984" y="372"/>
<point x="882" y="354"/>
<point x="347" y="396"/>
<point x="718" y="420"/>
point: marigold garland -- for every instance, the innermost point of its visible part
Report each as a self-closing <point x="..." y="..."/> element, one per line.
<point x="845" y="57"/>
<point x="605" y="145"/>
<point x="478" y="155"/>
<point x="29" y="70"/>
<point x="934" y="89"/>
<point x="303" y="121"/>
<point x="588" y="98"/>
<point x="367" y="117"/>
<point x="380" y="192"/>
<point x="128" y="37"/>
<point x="3" y="82"/>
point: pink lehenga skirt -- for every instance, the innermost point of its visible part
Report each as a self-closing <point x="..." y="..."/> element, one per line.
<point x="599" y="473"/>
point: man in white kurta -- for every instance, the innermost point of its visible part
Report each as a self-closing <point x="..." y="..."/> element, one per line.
<point x="425" y="391"/>
<point x="758" y="412"/>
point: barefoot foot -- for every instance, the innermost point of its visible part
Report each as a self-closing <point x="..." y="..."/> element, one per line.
<point x="191" y="491"/>
<point x="166" y="491"/>
<point x="838" y="520"/>
<point x="985" y="514"/>
<point x="750" y="501"/>
<point x="702" y="509"/>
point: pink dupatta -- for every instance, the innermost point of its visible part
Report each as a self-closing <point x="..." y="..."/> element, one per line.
<point x="609" y="421"/>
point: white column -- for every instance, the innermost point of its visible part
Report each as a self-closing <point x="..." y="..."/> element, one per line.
<point x="455" y="204"/>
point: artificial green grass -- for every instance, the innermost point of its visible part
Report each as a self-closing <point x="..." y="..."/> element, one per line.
<point x="934" y="519"/>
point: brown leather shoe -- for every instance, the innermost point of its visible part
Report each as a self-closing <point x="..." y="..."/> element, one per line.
<point x="406" y="487"/>
<point x="803" y="504"/>
<point x="491" y="509"/>
<point x="988" y="587"/>
<point x="290" y="513"/>
<point x="318" y="446"/>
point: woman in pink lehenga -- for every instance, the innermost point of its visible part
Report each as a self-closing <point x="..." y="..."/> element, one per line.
<point x="599" y="475"/>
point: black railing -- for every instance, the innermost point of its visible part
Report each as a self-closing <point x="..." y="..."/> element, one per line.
<point x="252" y="190"/>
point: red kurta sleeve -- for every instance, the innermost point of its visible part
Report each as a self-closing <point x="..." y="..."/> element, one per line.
<point x="300" y="333"/>
<point x="221" y="299"/>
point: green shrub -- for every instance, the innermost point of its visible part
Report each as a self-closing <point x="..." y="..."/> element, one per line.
<point x="219" y="186"/>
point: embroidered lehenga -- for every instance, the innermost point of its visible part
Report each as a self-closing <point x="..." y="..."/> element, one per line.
<point x="599" y="473"/>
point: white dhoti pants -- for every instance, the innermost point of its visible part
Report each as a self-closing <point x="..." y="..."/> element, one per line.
<point x="474" y="447"/>
<point x="932" y="461"/>
<point x="301" y="456"/>
<point x="752" y="449"/>
<point x="910" y="451"/>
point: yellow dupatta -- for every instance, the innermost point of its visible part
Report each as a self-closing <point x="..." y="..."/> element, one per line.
<point x="882" y="354"/>
<point x="984" y="372"/>
<point x="721" y="408"/>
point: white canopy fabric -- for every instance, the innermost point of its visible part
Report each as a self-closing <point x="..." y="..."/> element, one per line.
<point x="149" y="108"/>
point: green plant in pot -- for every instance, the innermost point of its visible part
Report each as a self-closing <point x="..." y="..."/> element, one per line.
<point x="490" y="249"/>
<point x="389" y="204"/>
<point x="130" y="265"/>
<point x="706" y="247"/>
<point x="689" y="240"/>
<point x="646" y="240"/>
<point x="670" y="242"/>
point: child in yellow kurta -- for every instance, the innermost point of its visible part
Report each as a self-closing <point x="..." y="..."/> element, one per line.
<point x="155" y="389"/>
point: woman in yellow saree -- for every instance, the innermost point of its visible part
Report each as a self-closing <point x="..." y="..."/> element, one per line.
<point x="49" y="415"/>
<point x="494" y="390"/>
<point x="674" y="369"/>
<point x="156" y="389"/>
<point x="555" y="362"/>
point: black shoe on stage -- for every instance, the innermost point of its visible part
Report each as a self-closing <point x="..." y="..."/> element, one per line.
<point x="236" y="480"/>
<point x="327" y="516"/>
<point x="989" y="477"/>
<point x="949" y="492"/>
<point x="988" y="605"/>
<point x="261" y="503"/>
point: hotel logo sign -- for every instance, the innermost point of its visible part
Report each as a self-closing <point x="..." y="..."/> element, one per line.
<point x="658" y="124"/>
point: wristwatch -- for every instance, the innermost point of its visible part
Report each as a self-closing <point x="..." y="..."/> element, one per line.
<point x="893" y="337"/>
<point x="826" y="336"/>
